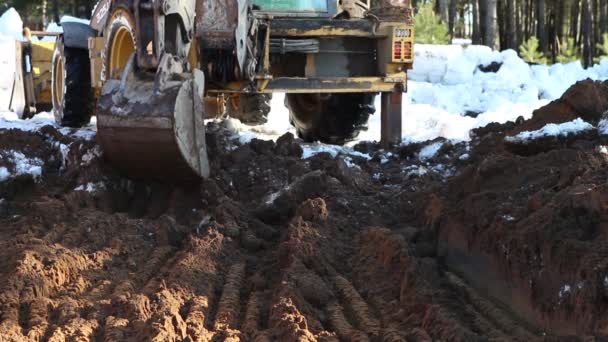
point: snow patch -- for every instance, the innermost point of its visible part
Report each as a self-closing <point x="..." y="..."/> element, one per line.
<point x="27" y="166"/>
<point x="10" y="120"/>
<point x="351" y="164"/>
<point x="429" y="151"/>
<point x="64" y="150"/>
<point x="88" y="157"/>
<point x="91" y="187"/>
<point x="552" y="130"/>
<point x="602" y="127"/>
<point x="564" y="290"/>
<point x="415" y="171"/>
<point x="310" y="150"/>
<point x="4" y="174"/>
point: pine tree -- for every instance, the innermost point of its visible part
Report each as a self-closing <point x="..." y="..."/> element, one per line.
<point x="603" y="48"/>
<point x="568" y="52"/>
<point x="429" y="27"/>
<point x="529" y="52"/>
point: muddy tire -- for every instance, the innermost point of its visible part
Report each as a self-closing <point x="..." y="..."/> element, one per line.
<point x="71" y="89"/>
<point x="251" y="109"/>
<point x="329" y="118"/>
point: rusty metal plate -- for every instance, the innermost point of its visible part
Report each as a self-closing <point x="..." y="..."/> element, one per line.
<point x="216" y="22"/>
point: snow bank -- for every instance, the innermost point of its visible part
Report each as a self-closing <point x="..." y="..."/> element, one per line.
<point x="452" y="79"/>
<point x="11" y="25"/>
<point x="552" y="130"/>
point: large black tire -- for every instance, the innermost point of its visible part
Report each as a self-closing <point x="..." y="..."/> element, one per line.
<point x="251" y="109"/>
<point x="330" y="118"/>
<point x="71" y="89"/>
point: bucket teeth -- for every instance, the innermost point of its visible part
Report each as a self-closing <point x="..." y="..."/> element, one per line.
<point x="154" y="134"/>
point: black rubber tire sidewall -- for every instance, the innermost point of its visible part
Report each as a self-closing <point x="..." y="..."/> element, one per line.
<point x="76" y="108"/>
<point x="330" y="118"/>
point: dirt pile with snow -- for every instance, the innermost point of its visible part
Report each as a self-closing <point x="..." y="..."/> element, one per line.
<point x="427" y="241"/>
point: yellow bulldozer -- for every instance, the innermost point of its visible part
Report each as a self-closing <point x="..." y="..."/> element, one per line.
<point x="153" y="70"/>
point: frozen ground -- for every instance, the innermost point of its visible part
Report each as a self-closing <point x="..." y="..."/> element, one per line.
<point x="448" y="93"/>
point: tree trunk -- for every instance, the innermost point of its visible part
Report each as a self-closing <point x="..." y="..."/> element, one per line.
<point x="587" y="33"/>
<point x="476" y="23"/>
<point x="442" y="8"/>
<point x="452" y="17"/>
<point x="541" y="29"/>
<point x="574" y="21"/>
<point x="44" y="17"/>
<point x="603" y="16"/>
<point x="511" y="31"/>
<point x="520" y="23"/>
<point x="489" y="37"/>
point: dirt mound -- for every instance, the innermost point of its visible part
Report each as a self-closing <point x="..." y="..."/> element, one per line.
<point x="433" y="241"/>
<point x="586" y="99"/>
<point x="524" y="223"/>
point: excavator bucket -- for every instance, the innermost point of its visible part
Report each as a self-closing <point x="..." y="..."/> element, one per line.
<point x="146" y="132"/>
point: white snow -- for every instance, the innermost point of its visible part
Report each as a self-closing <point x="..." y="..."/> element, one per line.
<point x="313" y="149"/>
<point x="10" y="120"/>
<point x="22" y="165"/>
<point x="429" y="151"/>
<point x="415" y="171"/>
<point x="11" y="25"/>
<point x="351" y="163"/>
<point x="65" y="150"/>
<point x="602" y="127"/>
<point x="552" y="130"/>
<point x="91" y="187"/>
<point x="4" y="174"/>
<point x="88" y="157"/>
<point x="27" y="166"/>
<point x="564" y="290"/>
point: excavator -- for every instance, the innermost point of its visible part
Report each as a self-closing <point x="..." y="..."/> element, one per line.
<point x="152" y="71"/>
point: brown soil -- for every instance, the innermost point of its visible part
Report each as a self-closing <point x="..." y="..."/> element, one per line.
<point x="500" y="246"/>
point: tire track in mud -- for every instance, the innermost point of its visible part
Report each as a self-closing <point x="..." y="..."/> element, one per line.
<point x="229" y="305"/>
<point x="489" y="317"/>
<point x="152" y="296"/>
<point x="320" y="272"/>
<point x="357" y="308"/>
